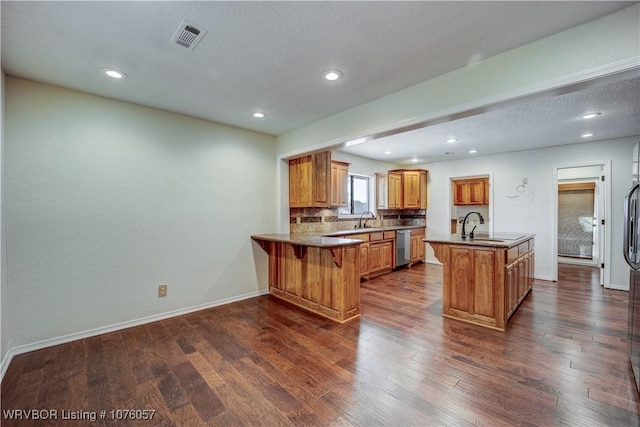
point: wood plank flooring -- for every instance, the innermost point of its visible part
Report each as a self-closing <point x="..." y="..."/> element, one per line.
<point x="562" y="361"/>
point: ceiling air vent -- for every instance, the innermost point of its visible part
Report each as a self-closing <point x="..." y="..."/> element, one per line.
<point x="188" y="35"/>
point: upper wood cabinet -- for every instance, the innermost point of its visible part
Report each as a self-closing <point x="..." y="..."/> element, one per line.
<point x="300" y="182"/>
<point x="407" y="189"/>
<point x="311" y="184"/>
<point x="339" y="181"/>
<point x="394" y="190"/>
<point x="471" y="191"/>
<point x="401" y="189"/>
<point x="485" y="199"/>
<point x="414" y="189"/>
<point x="382" y="191"/>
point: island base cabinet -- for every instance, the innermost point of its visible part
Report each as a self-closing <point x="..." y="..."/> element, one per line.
<point x="518" y="281"/>
<point x="473" y="294"/>
<point x="320" y="280"/>
<point x="484" y="285"/>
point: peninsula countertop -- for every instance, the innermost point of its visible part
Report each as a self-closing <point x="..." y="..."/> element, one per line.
<point x="330" y="239"/>
<point x="311" y="240"/>
<point x="492" y="240"/>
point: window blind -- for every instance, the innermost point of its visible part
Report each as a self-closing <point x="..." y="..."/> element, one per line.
<point x="575" y="219"/>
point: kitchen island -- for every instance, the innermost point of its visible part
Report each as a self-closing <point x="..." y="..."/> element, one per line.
<point x="486" y="278"/>
<point x="317" y="273"/>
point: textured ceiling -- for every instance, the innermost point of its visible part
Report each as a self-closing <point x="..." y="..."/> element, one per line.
<point x="542" y="122"/>
<point x="268" y="55"/>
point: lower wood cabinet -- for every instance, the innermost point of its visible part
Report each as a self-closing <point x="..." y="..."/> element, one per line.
<point x="364" y="259"/>
<point x="380" y="258"/>
<point x="518" y="281"/>
<point x="417" y="246"/>
<point x="376" y="252"/>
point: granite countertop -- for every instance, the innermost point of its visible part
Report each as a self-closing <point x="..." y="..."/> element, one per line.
<point x="370" y="230"/>
<point x="312" y="240"/>
<point x="495" y="240"/>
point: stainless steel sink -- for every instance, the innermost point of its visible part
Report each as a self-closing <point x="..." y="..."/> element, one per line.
<point x="486" y="239"/>
<point x="498" y="236"/>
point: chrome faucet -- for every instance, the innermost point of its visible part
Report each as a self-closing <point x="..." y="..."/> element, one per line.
<point x="365" y="221"/>
<point x="464" y="222"/>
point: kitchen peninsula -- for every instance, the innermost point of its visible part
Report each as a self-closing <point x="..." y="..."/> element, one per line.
<point x="319" y="274"/>
<point x="485" y="278"/>
<point x="322" y="273"/>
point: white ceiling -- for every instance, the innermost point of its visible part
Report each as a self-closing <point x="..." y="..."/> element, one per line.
<point x="270" y="55"/>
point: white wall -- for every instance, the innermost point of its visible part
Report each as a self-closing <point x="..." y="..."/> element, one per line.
<point x="551" y="62"/>
<point x="362" y="165"/>
<point x="533" y="212"/>
<point x="105" y="200"/>
<point x="5" y="341"/>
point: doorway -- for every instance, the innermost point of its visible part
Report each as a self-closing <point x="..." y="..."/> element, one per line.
<point x="580" y="212"/>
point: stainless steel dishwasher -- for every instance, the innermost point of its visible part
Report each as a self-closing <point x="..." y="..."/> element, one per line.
<point x="403" y="247"/>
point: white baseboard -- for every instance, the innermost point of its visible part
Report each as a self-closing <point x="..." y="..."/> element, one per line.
<point x="26" y="348"/>
<point x="5" y="363"/>
<point x="618" y="287"/>
<point x="577" y="261"/>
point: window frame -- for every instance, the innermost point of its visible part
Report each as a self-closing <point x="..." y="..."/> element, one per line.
<point x="368" y="179"/>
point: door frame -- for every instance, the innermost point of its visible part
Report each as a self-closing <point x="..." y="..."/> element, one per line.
<point x="605" y="193"/>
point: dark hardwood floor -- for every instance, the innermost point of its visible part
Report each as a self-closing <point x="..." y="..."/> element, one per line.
<point x="562" y="361"/>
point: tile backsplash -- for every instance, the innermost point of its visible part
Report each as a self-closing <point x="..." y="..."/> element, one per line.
<point x="325" y="220"/>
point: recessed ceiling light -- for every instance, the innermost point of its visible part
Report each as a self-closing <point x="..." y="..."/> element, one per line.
<point x="115" y="74"/>
<point x="414" y="160"/>
<point x="451" y="140"/>
<point x="587" y="135"/>
<point x="332" y="75"/>
<point x="387" y="152"/>
<point x="473" y="151"/>
<point x="259" y="115"/>
<point x="589" y="115"/>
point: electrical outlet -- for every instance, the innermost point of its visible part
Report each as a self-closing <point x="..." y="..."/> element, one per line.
<point x="162" y="290"/>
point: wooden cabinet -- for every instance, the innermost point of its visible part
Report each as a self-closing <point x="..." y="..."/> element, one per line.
<point x="485" y="199"/>
<point x="300" y="182"/>
<point x="380" y="257"/>
<point x="376" y="252"/>
<point x="471" y="192"/>
<point x="406" y="189"/>
<point x="321" y="179"/>
<point x="311" y="184"/>
<point x="364" y="259"/>
<point x="382" y="191"/>
<point x="339" y="181"/>
<point x="395" y="190"/>
<point x="414" y="189"/>
<point x="518" y="280"/>
<point x="323" y="280"/>
<point x="485" y="285"/>
<point x="417" y="245"/>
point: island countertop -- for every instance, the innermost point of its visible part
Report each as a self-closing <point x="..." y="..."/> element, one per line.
<point x="311" y="240"/>
<point x="493" y="240"/>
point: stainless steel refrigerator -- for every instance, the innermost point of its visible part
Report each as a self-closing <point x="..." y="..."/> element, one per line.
<point x="632" y="255"/>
